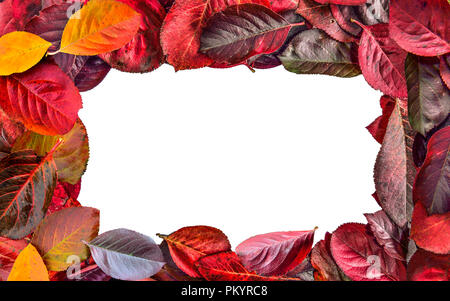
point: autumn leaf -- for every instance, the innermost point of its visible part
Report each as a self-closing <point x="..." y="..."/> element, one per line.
<point x="276" y="253"/>
<point x="325" y="267"/>
<point x="100" y="26"/>
<point x="15" y="14"/>
<point x="64" y="196"/>
<point x="320" y="16"/>
<point x="26" y="188"/>
<point x="343" y="2"/>
<point x="445" y="69"/>
<point x="43" y="98"/>
<point x="392" y="238"/>
<point x="61" y="235"/>
<point x="143" y="53"/>
<point x="313" y="52"/>
<point x="182" y="29"/>
<point x="126" y="255"/>
<point x="189" y="244"/>
<point x="428" y="97"/>
<point x="10" y="130"/>
<point x="382" y="61"/>
<point x="431" y="232"/>
<point x="226" y="266"/>
<point x="242" y="31"/>
<point x="426" y="266"/>
<point x="394" y="170"/>
<point x="71" y="157"/>
<point x="19" y="51"/>
<point x="378" y="128"/>
<point x="346" y="16"/>
<point x="280" y="6"/>
<point x="361" y="258"/>
<point x="420" y="26"/>
<point x="29" y="266"/>
<point x="9" y="250"/>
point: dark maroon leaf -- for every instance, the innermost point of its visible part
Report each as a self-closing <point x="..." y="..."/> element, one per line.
<point x="426" y="266"/>
<point x="387" y="234"/>
<point x="445" y="69"/>
<point x="343" y="2"/>
<point x="50" y="23"/>
<point x="242" y="31"/>
<point x="345" y="15"/>
<point x="92" y="73"/>
<point x="428" y="96"/>
<point x="432" y="185"/>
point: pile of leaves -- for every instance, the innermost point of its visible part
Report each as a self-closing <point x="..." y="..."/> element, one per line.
<point x="52" y="50"/>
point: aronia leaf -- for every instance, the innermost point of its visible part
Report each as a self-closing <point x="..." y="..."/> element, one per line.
<point x="14" y="14"/>
<point x="126" y="255"/>
<point x="71" y="157"/>
<point x="382" y="61"/>
<point x="100" y="26"/>
<point x="343" y="2"/>
<point x="421" y="26"/>
<point x="432" y="184"/>
<point x="62" y="233"/>
<point x="428" y="96"/>
<point x="394" y="170"/>
<point x="19" y="51"/>
<point x="29" y="266"/>
<point x="325" y="267"/>
<point x="44" y="99"/>
<point x="242" y="31"/>
<point x="431" y="232"/>
<point x="313" y="52"/>
<point x="189" y="244"/>
<point x="426" y="266"/>
<point x="361" y="258"/>
<point x="277" y="253"/>
<point x="182" y="28"/>
<point x="26" y="188"/>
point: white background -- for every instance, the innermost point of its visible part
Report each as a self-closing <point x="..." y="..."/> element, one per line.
<point x="247" y="153"/>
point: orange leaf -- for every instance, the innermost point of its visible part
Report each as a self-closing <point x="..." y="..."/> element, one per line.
<point x="19" y="51"/>
<point x="101" y="26"/>
<point x="29" y="266"/>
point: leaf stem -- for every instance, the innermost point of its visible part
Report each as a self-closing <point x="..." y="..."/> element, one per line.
<point x="54" y="53"/>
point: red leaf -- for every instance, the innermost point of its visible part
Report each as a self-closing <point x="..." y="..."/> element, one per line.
<point x="431" y="186"/>
<point x="64" y="196"/>
<point x="9" y="131"/>
<point x="420" y="26"/>
<point x="320" y="16"/>
<point x="280" y="6"/>
<point x="431" y="232"/>
<point x="182" y="28"/>
<point x="43" y="98"/>
<point x="387" y="234"/>
<point x="382" y="61"/>
<point x="323" y="262"/>
<point x="275" y="253"/>
<point x="242" y="31"/>
<point x="143" y="53"/>
<point x="394" y="170"/>
<point x="345" y="15"/>
<point x="445" y="69"/>
<point x="425" y="266"/>
<point x="9" y="250"/>
<point x="361" y="258"/>
<point x="226" y="266"/>
<point x="343" y="2"/>
<point x="189" y="244"/>
<point x="378" y="127"/>
<point x="14" y="14"/>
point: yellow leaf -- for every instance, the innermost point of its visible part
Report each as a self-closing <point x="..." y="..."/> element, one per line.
<point x="19" y="51"/>
<point x="101" y="26"/>
<point x="29" y="266"/>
